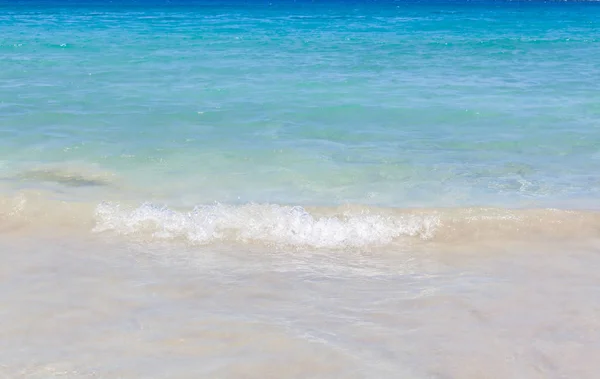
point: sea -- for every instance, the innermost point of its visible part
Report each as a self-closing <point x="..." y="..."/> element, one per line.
<point x="299" y="189"/>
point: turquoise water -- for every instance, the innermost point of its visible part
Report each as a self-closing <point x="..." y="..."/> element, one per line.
<point x="395" y="103"/>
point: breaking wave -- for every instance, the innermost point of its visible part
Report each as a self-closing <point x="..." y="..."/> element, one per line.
<point x="271" y="224"/>
<point x="295" y="226"/>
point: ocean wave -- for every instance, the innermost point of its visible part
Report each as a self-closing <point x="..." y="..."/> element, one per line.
<point x="264" y="223"/>
<point x="350" y="226"/>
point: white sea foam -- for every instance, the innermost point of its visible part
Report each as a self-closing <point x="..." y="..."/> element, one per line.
<point x="263" y="223"/>
<point x="295" y="226"/>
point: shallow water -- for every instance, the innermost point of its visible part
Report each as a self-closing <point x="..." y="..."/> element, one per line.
<point x="409" y="104"/>
<point x="369" y="190"/>
<point x="93" y="309"/>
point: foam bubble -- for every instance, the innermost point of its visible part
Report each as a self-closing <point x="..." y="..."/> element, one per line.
<point x="263" y="223"/>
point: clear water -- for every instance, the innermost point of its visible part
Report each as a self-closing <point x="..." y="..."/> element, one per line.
<point x="331" y="176"/>
<point x="387" y="103"/>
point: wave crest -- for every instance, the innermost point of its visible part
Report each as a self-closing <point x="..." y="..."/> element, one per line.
<point x="32" y="212"/>
<point x="259" y="223"/>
